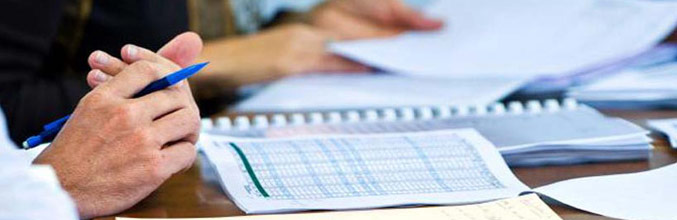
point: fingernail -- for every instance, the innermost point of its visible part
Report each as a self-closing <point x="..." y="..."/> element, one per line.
<point x="101" y="76"/>
<point x="101" y="58"/>
<point x="132" y="51"/>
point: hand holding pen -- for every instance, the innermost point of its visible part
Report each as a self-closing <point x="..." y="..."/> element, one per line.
<point x="117" y="147"/>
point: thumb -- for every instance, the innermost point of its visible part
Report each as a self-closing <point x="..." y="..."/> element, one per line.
<point x="183" y="49"/>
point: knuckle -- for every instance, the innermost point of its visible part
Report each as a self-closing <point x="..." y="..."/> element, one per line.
<point x="146" y="67"/>
<point x="181" y="96"/>
<point x="145" y="138"/>
<point x="93" y="98"/>
<point x="124" y="115"/>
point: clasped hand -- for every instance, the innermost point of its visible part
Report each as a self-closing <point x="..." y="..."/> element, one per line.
<point x="116" y="149"/>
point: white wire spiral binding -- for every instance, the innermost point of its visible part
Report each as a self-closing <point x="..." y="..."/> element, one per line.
<point x="334" y="118"/>
<point x="534" y="107"/>
<point x="443" y="112"/>
<point x="515" y="108"/>
<point x="425" y="113"/>
<point x="370" y="115"/>
<point x="260" y="121"/>
<point x="497" y="109"/>
<point x="479" y="110"/>
<point x="460" y="110"/>
<point x="407" y="114"/>
<point x="242" y="123"/>
<point x="315" y="118"/>
<point x="297" y="119"/>
<point x="224" y="123"/>
<point x="279" y="120"/>
<point x="352" y="116"/>
<point x="207" y="124"/>
<point x="551" y="105"/>
<point x="389" y="114"/>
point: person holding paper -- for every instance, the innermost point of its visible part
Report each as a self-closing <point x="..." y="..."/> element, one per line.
<point x="115" y="150"/>
<point x="43" y="54"/>
<point x="300" y="48"/>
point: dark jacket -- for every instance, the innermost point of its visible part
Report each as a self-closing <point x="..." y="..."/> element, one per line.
<point x="44" y="47"/>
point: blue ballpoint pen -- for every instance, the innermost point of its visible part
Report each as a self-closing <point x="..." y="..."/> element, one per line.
<point x="52" y="129"/>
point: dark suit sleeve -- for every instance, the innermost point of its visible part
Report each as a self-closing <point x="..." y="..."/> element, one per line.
<point x="29" y="95"/>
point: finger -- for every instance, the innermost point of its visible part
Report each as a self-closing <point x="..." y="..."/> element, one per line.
<point x="178" y="157"/>
<point x="334" y="63"/>
<point x="163" y="102"/>
<point x="106" y="63"/>
<point x="183" y="49"/>
<point x="181" y="125"/>
<point x="132" y="53"/>
<point x="134" y="78"/>
<point x="97" y="77"/>
<point x="408" y="17"/>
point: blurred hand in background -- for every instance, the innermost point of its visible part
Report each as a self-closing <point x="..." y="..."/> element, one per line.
<point x="293" y="49"/>
<point x="274" y="53"/>
<point x="354" y="19"/>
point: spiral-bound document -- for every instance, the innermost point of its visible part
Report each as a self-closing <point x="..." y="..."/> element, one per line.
<point x="527" y="134"/>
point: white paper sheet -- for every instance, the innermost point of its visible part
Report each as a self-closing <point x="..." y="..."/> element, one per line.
<point x="29" y="192"/>
<point x="361" y="91"/>
<point x="647" y="195"/>
<point x="5" y="141"/>
<point x="363" y="171"/>
<point x="520" y="37"/>
<point x="528" y="207"/>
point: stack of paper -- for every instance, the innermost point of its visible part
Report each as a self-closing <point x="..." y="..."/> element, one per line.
<point x="329" y="92"/>
<point x="520" y="37"/>
<point x="530" y="135"/>
<point x="558" y="84"/>
<point x="650" y="86"/>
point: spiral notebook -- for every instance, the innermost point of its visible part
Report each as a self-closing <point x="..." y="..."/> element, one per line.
<point x="533" y="133"/>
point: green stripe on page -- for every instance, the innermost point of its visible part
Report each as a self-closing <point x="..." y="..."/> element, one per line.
<point x="250" y="171"/>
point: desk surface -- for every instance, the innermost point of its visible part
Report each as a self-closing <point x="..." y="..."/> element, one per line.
<point x="196" y="193"/>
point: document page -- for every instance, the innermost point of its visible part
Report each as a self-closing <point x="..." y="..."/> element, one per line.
<point x="362" y="171"/>
<point x="520" y="37"/>
<point x="646" y="195"/>
<point x="528" y="207"/>
<point x="332" y="92"/>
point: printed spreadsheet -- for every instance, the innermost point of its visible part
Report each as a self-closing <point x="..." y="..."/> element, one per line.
<point x="340" y="168"/>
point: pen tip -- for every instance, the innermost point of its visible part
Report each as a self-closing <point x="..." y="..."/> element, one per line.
<point x="25" y="145"/>
<point x="203" y="64"/>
